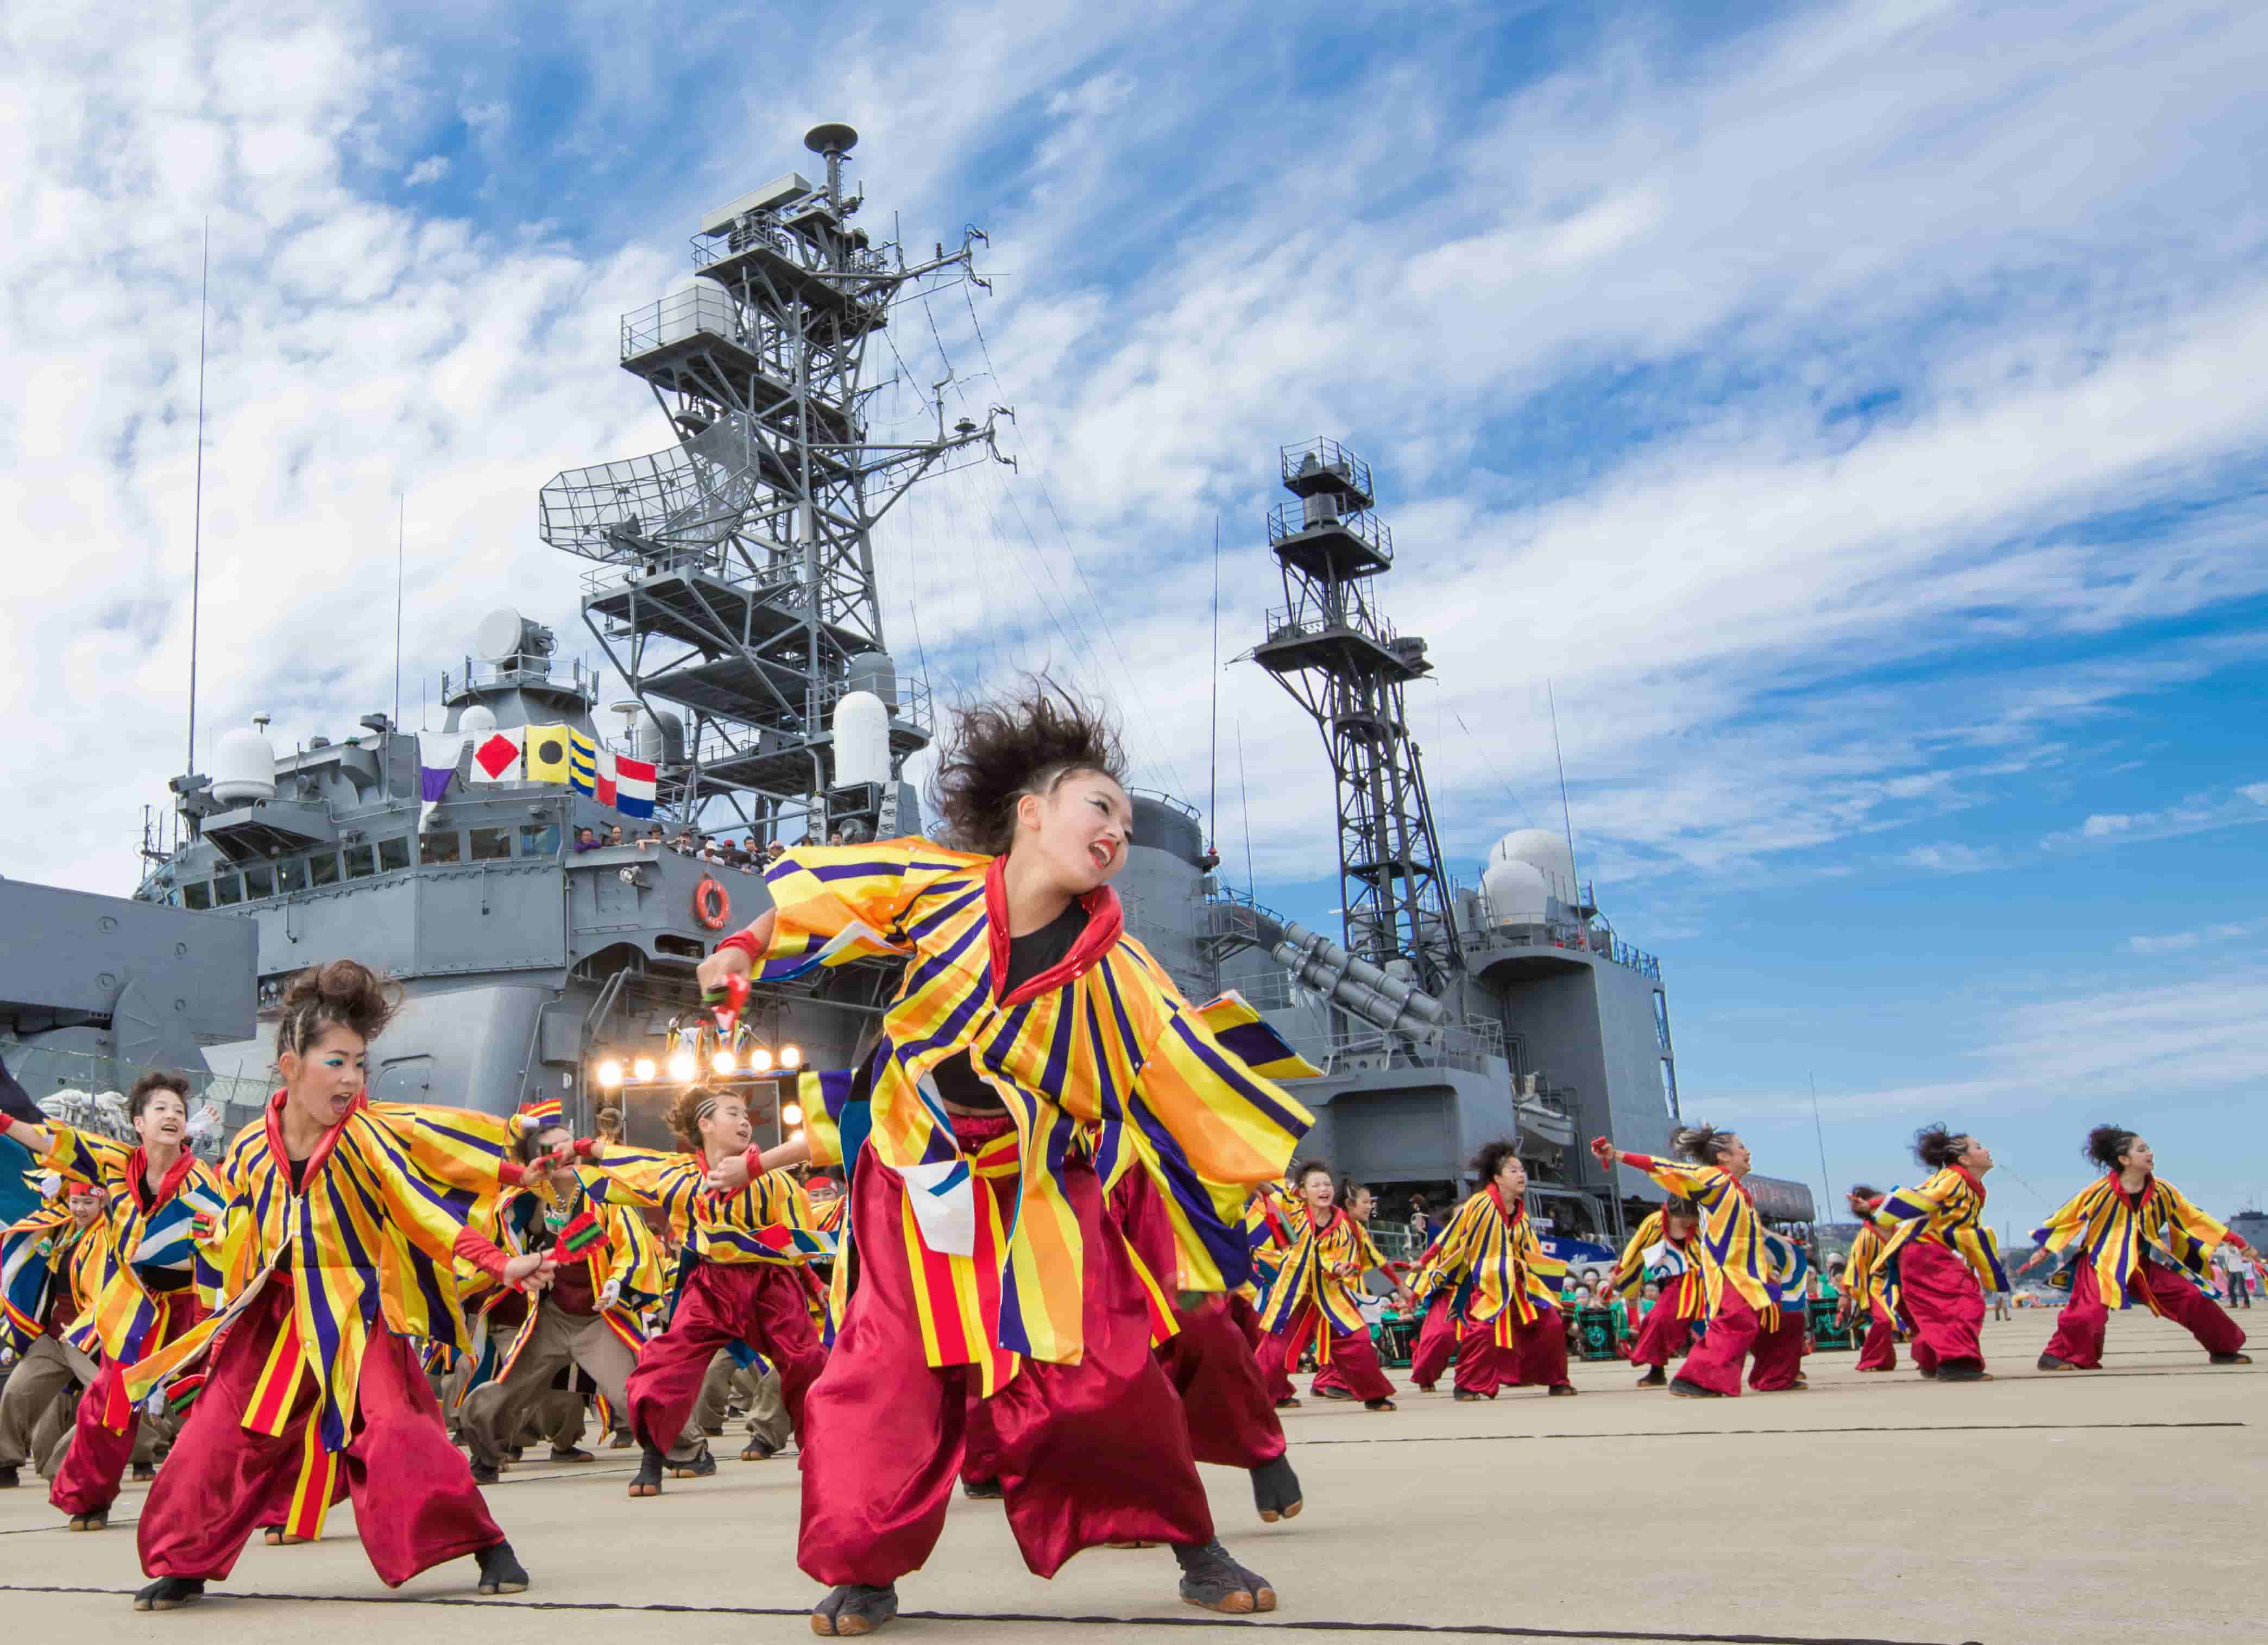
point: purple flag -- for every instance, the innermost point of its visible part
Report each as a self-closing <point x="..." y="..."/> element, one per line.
<point x="438" y="754"/>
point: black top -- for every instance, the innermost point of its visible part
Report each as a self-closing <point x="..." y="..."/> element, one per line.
<point x="957" y="1082"/>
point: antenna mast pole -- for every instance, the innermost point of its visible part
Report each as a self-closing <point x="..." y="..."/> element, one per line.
<point x="197" y="523"/>
<point x="400" y="537"/>
<point x="1826" y="1182"/>
<point x="1566" y="817"/>
<point x="1212" y="805"/>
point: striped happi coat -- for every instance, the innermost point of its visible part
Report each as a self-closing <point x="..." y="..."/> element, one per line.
<point x="1504" y="1276"/>
<point x="44" y="1251"/>
<point x="1731" y="1242"/>
<point x="1672" y="1263"/>
<point x="1861" y="1283"/>
<point x="624" y="1252"/>
<point x="992" y="1241"/>
<point x="769" y="1221"/>
<point x="2111" y="1229"/>
<point x="369" y="1243"/>
<point x="1949" y="1210"/>
<point x="1315" y="1287"/>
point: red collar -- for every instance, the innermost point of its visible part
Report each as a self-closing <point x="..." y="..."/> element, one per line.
<point x="2134" y="1200"/>
<point x="272" y="1122"/>
<point x="1106" y="922"/>
<point x="137" y="1173"/>
<point x="1971" y="1179"/>
<point x="1512" y="1215"/>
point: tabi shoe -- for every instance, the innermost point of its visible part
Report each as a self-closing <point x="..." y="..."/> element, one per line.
<point x="2049" y="1363"/>
<point x="170" y="1593"/>
<point x="758" y="1449"/>
<point x="2228" y="1359"/>
<point x="141" y="1472"/>
<point x="8" y="1477"/>
<point x="276" y="1537"/>
<point x="98" y="1519"/>
<point x="571" y="1453"/>
<point x="621" y="1440"/>
<point x="513" y="1453"/>
<point x="852" y="1609"/>
<point x="982" y="1490"/>
<point x="715" y="1432"/>
<point x="1330" y="1393"/>
<point x="647" y="1480"/>
<point x="486" y="1472"/>
<point x="1214" y="1581"/>
<point x="1276" y="1491"/>
<point x="1562" y="1389"/>
<point x="1964" y="1374"/>
<point x="1929" y="1372"/>
<point x="501" y="1571"/>
<point x="1654" y="1377"/>
<point x="700" y="1466"/>
<point x="1380" y="1405"/>
<point x="1684" y="1390"/>
<point x="1869" y="1370"/>
<point x="1293" y="1403"/>
<point x="1467" y="1397"/>
<point x="1423" y="1387"/>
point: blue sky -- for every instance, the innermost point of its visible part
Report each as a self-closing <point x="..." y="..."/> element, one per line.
<point x="1854" y="411"/>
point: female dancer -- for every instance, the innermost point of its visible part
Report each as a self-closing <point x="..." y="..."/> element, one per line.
<point x="1027" y="1028"/>
<point x="1862" y="1286"/>
<point x="1740" y="1297"/>
<point x="1939" y="1256"/>
<point x="344" y="1221"/>
<point x="1663" y="1252"/>
<point x="1314" y="1296"/>
<point x="1507" y="1302"/>
<point x="739" y="1275"/>
<point x="1432" y="1290"/>
<point x="609" y="1273"/>
<point x="163" y="1209"/>
<point x="2113" y="1222"/>
<point x="1330" y="1381"/>
<point x="51" y="1269"/>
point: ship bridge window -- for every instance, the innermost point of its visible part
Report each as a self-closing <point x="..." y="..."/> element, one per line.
<point x="196" y="894"/>
<point x="393" y="853"/>
<point x="226" y="892"/>
<point x="259" y="882"/>
<point x="539" y="840"/>
<point x="490" y="845"/>
<point x="441" y="846"/>
<point x="323" y="868"/>
<point x="362" y="862"/>
<point x="291" y="875"/>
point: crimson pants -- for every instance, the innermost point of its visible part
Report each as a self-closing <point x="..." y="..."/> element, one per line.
<point x="1879" y="1351"/>
<point x="1943" y="1300"/>
<point x="87" y="1481"/>
<point x="415" y="1504"/>
<point x="1085" y="1454"/>
<point x="1356" y="1359"/>
<point x="1436" y="1343"/>
<point x="1537" y="1357"/>
<point x="2079" y="1334"/>
<point x="1733" y="1331"/>
<point x="760" y="1303"/>
<point x="1778" y="1353"/>
<point x="1662" y="1336"/>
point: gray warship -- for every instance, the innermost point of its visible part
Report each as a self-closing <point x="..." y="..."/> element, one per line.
<point x="729" y="579"/>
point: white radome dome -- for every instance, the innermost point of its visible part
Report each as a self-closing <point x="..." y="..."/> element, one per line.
<point x="477" y="721"/>
<point x="244" y="767"/>
<point x="1543" y="850"/>
<point x="1515" y="891"/>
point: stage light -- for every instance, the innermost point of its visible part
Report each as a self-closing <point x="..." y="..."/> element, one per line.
<point x="723" y="1063"/>
<point x="790" y="1057"/>
<point x="682" y="1067"/>
<point x="790" y="1114"/>
<point x="642" y="1068"/>
<point x="610" y="1074"/>
<point x="760" y="1060"/>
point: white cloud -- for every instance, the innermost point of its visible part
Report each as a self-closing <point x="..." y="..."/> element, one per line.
<point x="1952" y="857"/>
<point x="431" y="169"/>
<point x="2198" y="814"/>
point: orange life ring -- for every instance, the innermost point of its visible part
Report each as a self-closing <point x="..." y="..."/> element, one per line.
<point x="710" y="905"/>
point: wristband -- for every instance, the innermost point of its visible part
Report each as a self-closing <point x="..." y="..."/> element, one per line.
<point x="7" y="1122"/>
<point x="744" y="942"/>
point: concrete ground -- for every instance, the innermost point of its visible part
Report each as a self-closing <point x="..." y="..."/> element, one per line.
<point x="2115" y="1506"/>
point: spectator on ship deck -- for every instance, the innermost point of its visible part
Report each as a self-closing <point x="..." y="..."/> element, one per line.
<point x="614" y="836"/>
<point x="586" y="840"/>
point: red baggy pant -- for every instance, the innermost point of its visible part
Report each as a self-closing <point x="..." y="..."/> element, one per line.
<point x="1715" y="1364"/>
<point x="1879" y="1351"/>
<point x="1662" y="1336"/>
<point x="1778" y="1351"/>
<point x="1944" y="1302"/>
<point x="2079" y="1334"/>
<point x="760" y="1303"/>
<point x="95" y="1462"/>
<point x="415" y="1504"/>
<point x="1085" y="1454"/>
<point x="1353" y="1353"/>
<point x="1436" y="1343"/>
<point x="1537" y="1357"/>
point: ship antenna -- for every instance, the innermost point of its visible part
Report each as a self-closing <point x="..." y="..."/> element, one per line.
<point x="401" y="535"/>
<point x="1251" y="885"/>
<point x="1212" y="805"/>
<point x="197" y="521"/>
<point x="1826" y="1182"/>
<point x="1566" y="817"/>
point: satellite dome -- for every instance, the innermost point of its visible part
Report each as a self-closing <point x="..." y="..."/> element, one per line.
<point x="862" y="739"/>
<point x="1515" y="891"/>
<point x="477" y="721"/>
<point x="1543" y="850"/>
<point x="692" y="306"/>
<point x="244" y="768"/>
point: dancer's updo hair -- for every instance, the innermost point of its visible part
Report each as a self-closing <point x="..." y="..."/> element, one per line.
<point x="1486" y="1163"/>
<point x="685" y="1114"/>
<point x="1308" y="1168"/>
<point x="1675" y="1207"/>
<point x="1938" y="1147"/>
<point x="1003" y="748"/>
<point x="1863" y="1194"/>
<point x="344" y="994"/>
<point x="1704" y="1145"/>
<point x="2106" y="1146"/>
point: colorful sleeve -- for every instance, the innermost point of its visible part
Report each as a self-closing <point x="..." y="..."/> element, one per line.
<point x="822" y="1095"/>
<point x="641" y="1177"/>
<point x="456" y="1145"/>
<point x="1630" y="1267"/>
<point x="634" y="1258"/>
<point x="835" y="904"/>
<point x="1702" y="1184"/>
<point x="1903" y="1208"/>
<point x="84" y="1156"/>
<point x="2190" y="1233"/>
<point x="2069" y="1219"/>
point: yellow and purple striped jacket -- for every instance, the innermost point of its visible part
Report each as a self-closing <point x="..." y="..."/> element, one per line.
<point x="628" y="1256"/>
<point x="1948" y="1210"/>
<point x="44" y="1251"/>
<point x="162" y="1241"/>
<point x="769" y="1221"/>
<point x="368" y="1241"/>
<point x="1504" y="1276"/>
<point x="1731" y="1242"/>
<point x="1114" y="1048"/>
<point x="2111" y="1231"/>
<point x="1861" y="1283"/>
<point x="1322" y="1270"/>
<point x="1685" y="1291"/>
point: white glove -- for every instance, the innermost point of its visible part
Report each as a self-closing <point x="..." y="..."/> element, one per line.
<point x="610" y="1294"/>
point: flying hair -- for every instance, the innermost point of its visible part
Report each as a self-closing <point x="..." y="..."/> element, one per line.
<point x="1940" y="1146"/>
<point x="1704" y="1145"/>
<point x="1491" y="1158"/>
<point x="2106" y="1146"/>
<point x="1025" y="742"/>
<point x="343" y="993"/>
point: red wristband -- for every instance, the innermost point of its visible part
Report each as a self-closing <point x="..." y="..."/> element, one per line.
<point x="480" y="1252"/>
<point x="743" y="941"/>
<point x="7" y="1122"/>
<point x="754" y="1159"/>
<point x="584" y="1146"/>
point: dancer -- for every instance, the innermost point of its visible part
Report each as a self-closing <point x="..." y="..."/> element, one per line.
<point x="1510" y="1329"/>
<point x="743" y="1244"/>
<point x="609" y="1272"/>
<point x="1026" y="1028"/>
<point x="1314" y="1296"/>
<point x="1939" y="1255"/>
<point x="1331" y="1381"/>
<point x="1862" y="1288"/>
<point x="51" y="1268"/>
<point x="162" y="1208"/>
<point x="1431" y="1291"/>
<point x="2114" y="1223"/>
<point x="1662" y="1252"/>
<point x="344" y="1221"/>
<point x="1740" y="1295"/>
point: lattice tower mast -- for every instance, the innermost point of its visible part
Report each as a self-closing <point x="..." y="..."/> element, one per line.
<point x="1341" y="661"/>
<point x="736" y="591"/>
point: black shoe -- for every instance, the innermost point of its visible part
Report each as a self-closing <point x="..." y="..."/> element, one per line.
<point x="1560" y="1390"/>
<point x="1654" y="1377"/>
<point x="852" y="1609"/>
<point x="1213" y="1581"/>
<point x="8" y="1477"/>
<point x="760" y="1450"/>
<point x="1330" y="1393"/>
<point x="982" y="1490"/>
<point x="513" y="1453"/>
<point x="1684" y="1390"/>
<point x="1963" y="1374"/>
<point x="701" y="1466"/>
<point x="715" y="1432"/>
<point x="1929" y="1372"/>
<point x="570" y="1453"/>
<point x="1466" y="1397"/>
<point x="1276" y="1491"/>
<point x="170" y="1593"/>
<point x="1380" y="1405"/>
<point x="2228" y="1359"/>
<point x="143" y="1472"/>
<point x="2049" y="1363"/>
<point x="501" y="1573"/>
<point x="486" y="1473"/>
<point x="647" y="1482"/>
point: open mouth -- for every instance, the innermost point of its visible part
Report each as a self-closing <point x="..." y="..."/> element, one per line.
<point x="1102" y="853"/>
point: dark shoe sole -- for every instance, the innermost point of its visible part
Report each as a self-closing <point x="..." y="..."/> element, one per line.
<point x="1684" y="1390"/>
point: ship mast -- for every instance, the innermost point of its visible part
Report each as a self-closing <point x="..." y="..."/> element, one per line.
<point x="735" y="590"/>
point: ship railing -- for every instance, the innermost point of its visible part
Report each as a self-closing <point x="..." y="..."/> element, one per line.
<point x="477" y="673"/>
<point x="764" y="228"/>
<point x="716" y="562"/>
<point x="1289" y="519"/>
<point x="1328" y="457"/>
<point x="914" y="707"/>
<point x="46" y="1073"/>
<point x="1292" y="622"/>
